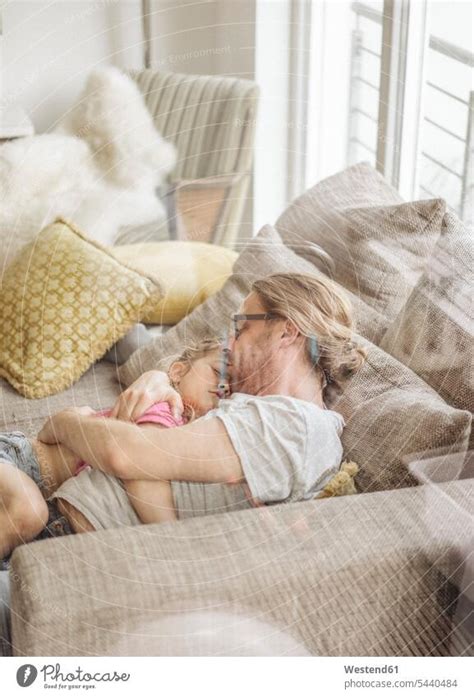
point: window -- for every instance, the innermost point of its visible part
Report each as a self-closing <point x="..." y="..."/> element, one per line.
<point x="365" y="65"/>
<point x="391" y="82"/>
<point x="445" y="151"/>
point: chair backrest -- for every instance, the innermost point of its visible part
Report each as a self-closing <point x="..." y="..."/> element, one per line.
<point x="210" y="119"/>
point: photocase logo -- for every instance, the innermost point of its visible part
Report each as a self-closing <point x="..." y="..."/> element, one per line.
<point x="26" y="675"/>
<point x="54" y="676"/>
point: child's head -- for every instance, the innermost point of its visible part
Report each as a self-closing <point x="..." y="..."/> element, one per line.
<point x="196" y="375"/>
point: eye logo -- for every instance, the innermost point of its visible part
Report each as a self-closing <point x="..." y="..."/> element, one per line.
<point x="26" y="675"/>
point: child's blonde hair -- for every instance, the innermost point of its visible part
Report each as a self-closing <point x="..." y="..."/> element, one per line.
<point x="198" y="349"/>
<point x="318" y="309"/>
<point x="192" y="352"/>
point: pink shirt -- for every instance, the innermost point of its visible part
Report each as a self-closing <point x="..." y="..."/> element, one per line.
<point x="158" y="413"/>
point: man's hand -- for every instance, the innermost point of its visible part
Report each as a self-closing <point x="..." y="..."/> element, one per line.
<point x="48" y="433"/>
<point x="153" y="386"/>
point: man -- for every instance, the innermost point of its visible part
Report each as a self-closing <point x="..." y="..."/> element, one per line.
<point x="279" y="445"/>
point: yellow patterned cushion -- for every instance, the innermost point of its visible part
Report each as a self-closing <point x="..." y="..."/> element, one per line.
<point x="65" y="301"/>
<point x="189" y="272"/>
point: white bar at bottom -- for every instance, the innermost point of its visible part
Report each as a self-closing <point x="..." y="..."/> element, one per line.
<point x="229" y="677"/>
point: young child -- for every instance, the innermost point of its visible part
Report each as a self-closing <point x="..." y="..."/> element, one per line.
<point x="95" y="500"/>
<point x="197" y="368"/>
<point x="28" y="467"/>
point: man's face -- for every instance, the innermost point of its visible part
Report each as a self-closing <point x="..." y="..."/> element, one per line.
<point x="253" y="360"/>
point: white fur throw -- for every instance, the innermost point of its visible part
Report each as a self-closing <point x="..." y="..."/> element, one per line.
<point x="99" y="168"/>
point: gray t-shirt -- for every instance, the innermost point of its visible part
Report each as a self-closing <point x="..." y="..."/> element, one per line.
<point x="288" y="448"/>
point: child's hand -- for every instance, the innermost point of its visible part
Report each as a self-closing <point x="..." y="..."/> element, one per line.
<point x="153" y="386"/>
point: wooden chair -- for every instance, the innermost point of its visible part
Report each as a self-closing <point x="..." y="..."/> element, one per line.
<point x="211" y="121"/>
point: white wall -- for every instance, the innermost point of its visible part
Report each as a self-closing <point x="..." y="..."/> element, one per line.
<point x="184" y="36"/>
<point x="235" y="31"/>
<point x="49" y="47"/>
<point x="271" y="73"/>
<point x="204" y="36"/>
<point x="214" y="37"/>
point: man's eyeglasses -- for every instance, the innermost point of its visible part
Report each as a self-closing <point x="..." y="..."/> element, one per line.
<point x="239" y="320"/>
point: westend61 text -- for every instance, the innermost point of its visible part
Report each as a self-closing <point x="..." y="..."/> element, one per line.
<point x="371" y="669"/>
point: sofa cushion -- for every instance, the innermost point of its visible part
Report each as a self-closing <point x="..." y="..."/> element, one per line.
<point x="393" y="417"/>
<point x="97" y="388"/>
<point x="363" y="575"/>
<point x="189" y="273"/>
<point x="65" y="301"/>
<point x="433" y="334"/>
<point x="263" y="255"/>
<point x="316" y="214"/>
<point x="378" y="243"/>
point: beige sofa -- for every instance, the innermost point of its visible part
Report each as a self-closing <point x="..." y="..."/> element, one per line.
<point x="384" y="572"/>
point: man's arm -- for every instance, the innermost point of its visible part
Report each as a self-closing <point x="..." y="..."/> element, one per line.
<point x="199" y="452"/>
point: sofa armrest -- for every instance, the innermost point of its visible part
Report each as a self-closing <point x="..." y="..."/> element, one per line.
<point x="356" y="575"/>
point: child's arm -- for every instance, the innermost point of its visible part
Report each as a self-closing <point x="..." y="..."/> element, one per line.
<point x="153" y="501"/>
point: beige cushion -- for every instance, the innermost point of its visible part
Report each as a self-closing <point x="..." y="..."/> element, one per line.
<point x="263" y="255"/>
<point x="317" y="212"/>
<point x="65" y="301"/>
<point x="393" y="417"/>
<point x="378" y="243"/>
<point x="433" y="334"/>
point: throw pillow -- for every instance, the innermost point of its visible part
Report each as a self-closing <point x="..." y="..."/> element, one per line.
<point x="317" y="212"/>
<point x="263" y="255"/>
<point x="393" y="417"/>
<point x="378" y="243"/>
<point x="433" y="334"/>
<point x="189" y="273"/>
<point x="65" y="302"/>
<point x="100" y="167"/>
<point x="112" y="117"/>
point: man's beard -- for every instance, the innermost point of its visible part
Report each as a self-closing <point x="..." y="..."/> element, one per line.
<point x="253" y="372"/>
